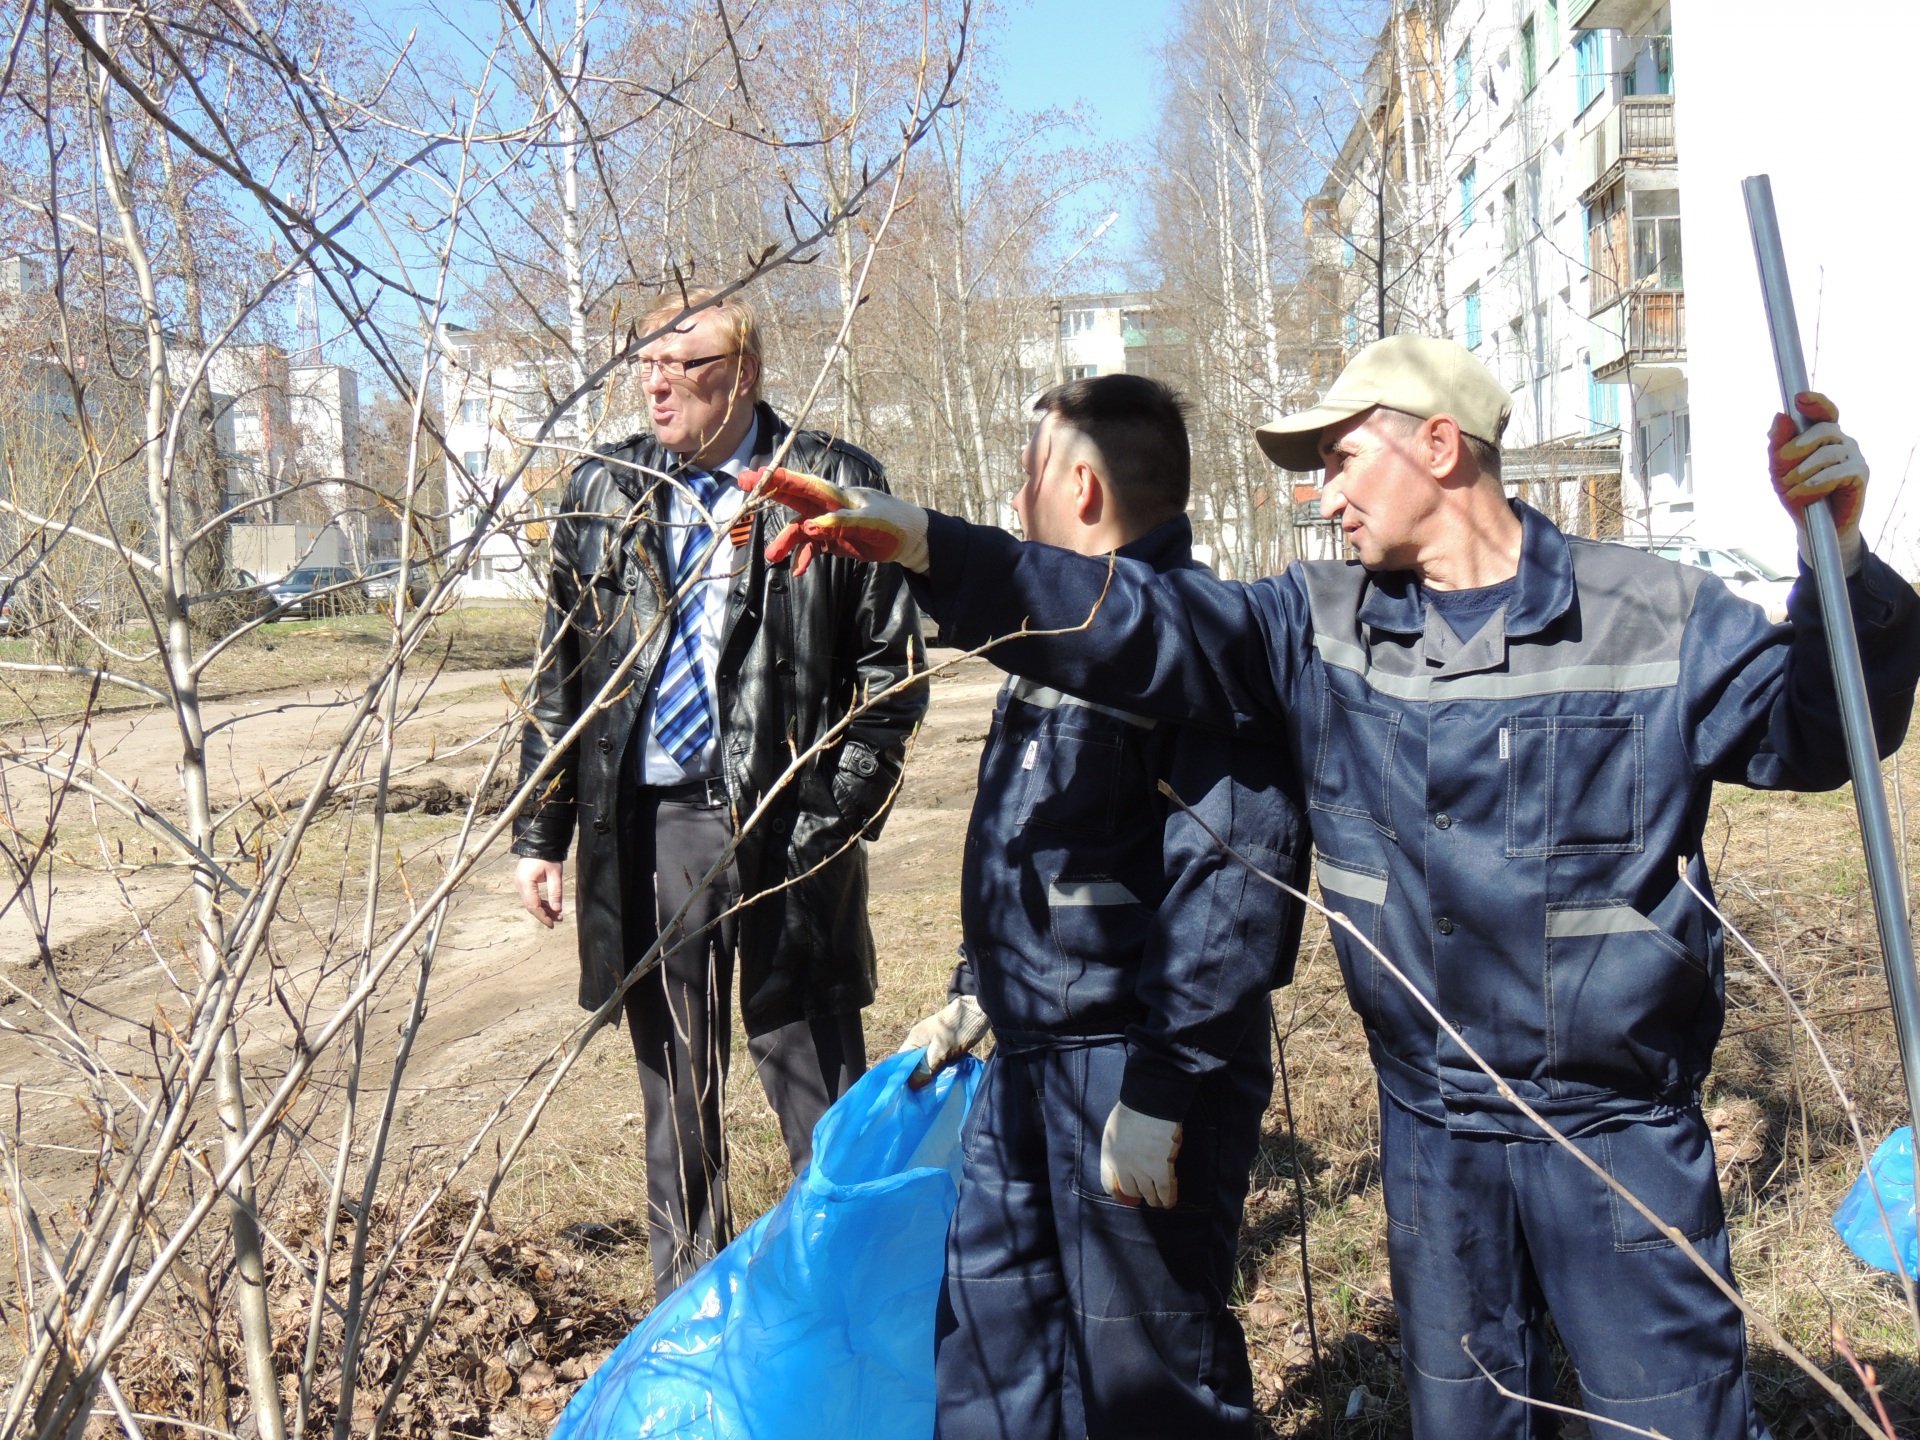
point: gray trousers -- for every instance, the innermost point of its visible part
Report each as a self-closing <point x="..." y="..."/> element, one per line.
<point x="681" y="1021"/>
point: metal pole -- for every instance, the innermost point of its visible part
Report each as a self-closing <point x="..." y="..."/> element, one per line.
<point x="1869" y="790"/>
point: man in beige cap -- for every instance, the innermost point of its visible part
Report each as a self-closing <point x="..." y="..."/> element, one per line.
<point x="1512" y="737"/>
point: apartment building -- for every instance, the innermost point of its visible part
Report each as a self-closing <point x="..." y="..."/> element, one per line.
<point x="1375" y="231"/>
<point x="1563" y="268"/>
<point x="497" y="389"/>
<point x="1113" y="333"/>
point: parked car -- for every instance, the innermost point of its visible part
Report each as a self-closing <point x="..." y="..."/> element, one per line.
<point x="244" y="597"/>
<point x="314" y="590"/>
<point x="1745" y="574"/>
<point x="383" y="576"/>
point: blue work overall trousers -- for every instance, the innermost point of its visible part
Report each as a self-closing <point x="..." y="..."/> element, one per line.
<point x="1066" y="1313"/>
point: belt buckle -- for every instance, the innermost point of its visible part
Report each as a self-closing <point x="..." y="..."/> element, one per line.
<point x="713" y="793"/>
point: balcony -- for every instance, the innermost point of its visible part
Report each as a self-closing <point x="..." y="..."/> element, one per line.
<point x="1627" y="15"/>
<point x="1643" y="330"/>
<point x="1637" y="133"/>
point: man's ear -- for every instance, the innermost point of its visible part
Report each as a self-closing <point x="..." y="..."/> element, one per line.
<point x="1443" y="450"/>
<point x="749" y="375"/>
<point x="1089" y="494"/>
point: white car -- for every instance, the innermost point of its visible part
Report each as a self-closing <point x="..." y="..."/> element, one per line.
<point x="1748" y="577"/>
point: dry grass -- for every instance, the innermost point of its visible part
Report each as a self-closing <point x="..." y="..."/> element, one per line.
<point x="342" y="650"/>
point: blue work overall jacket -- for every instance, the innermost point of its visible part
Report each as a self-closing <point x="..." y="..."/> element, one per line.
<point x="1094" y="909"/>
<point x="1507" y="819"/>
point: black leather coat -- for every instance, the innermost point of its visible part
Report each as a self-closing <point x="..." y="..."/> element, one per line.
<point x="794" y="656"/>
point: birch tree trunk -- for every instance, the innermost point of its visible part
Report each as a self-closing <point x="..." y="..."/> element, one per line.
<point x="250" y="1278"/>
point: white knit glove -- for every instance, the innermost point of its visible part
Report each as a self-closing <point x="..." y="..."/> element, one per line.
<point x="946" y="1035"/>
<point x="1136" y="1158"/>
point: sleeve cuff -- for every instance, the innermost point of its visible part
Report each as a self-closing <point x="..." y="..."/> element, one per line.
<point x="1873" y="591"/>
<point x="1156" y="1087"/>
<point x="964" y="982"/>
<point x="947" y="544"/>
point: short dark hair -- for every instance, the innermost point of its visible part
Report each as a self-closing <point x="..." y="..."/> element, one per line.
<point x="1139" y="426"/>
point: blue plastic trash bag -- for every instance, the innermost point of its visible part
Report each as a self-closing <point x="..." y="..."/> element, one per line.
<point x="818" y="1320"/>
<point x="1858" y="1218"/>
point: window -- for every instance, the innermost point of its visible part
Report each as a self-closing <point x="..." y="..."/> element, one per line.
<point x="1553" y="30"/>
<point x="1075" y="322"/>
<point x="1471" y="303"/>
<point x="1466" y="197"/>
<point x="473" y="412"/>
<point x="1510" y="212"/>
<point x="1590" y="65"/>
<point x="1656" y="239"/>
<point x="1603" y="404"/>
<point x="1082" y="372"/>
<point x="1346" y="250"/>
<point x="1462" y="74"/>
<point x="476" y="463"/>
<point x="1529" y="59"/>
<point x="1607" y="247"/>
<point x="1663" y="65"/>
<point x="1683" y="442"/>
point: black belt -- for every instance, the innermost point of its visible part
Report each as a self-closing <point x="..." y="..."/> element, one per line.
<point x="708" y="794"/>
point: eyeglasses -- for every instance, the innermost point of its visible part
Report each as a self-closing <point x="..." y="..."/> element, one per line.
<point x="676" y="369"/>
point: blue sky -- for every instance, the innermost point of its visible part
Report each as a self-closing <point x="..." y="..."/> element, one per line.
<point x="1101" y="58"/>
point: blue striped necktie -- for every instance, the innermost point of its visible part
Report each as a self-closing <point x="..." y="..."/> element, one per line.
<point x="683" y="720"/>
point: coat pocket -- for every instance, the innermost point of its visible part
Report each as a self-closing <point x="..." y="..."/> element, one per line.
<point x="1622" y="1000"/>
<point x="1073" y="780"/>
<point x="1100" y="929"/>
<point x="1360" y="893"/>
<point x="1576" y="784"/>
<point x="1352" y="775"/>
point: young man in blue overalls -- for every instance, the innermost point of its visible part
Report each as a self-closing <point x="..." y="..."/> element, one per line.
<point x="1124" y="961"/>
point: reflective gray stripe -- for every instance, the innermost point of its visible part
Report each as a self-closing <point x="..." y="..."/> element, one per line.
<point x="1568" y="679"/>
<point x="1340" y="654"/>
<point x="1354" y="884"/>
<point x="1599" y="920"/>
<point x="1090" y="892"/>
<point x="1046" y="698"/>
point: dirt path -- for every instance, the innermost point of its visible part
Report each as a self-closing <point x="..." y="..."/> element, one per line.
<point x="501" y="994"/>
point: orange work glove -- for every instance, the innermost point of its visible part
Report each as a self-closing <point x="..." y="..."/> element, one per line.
<point x="1822" y="462"/>
<point x="858" y="523"/>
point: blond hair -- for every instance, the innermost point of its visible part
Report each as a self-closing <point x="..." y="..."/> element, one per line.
<point x="738" y="322"/>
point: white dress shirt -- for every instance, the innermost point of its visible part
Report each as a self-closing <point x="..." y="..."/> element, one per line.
<point x="711" y="594"/>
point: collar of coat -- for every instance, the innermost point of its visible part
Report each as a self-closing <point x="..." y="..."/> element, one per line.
<point x="645" y="454"/>
<point x="1168" y="546"/>
<point x="1542" y="591"/>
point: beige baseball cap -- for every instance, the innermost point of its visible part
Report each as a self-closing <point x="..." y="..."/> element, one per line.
<point x="1417" y="374"/>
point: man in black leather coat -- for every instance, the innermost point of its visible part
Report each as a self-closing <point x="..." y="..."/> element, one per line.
<point x="736" y="676"/>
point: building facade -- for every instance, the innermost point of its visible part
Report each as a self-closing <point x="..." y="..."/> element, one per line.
<point x="1563" y="267"/>
<point x="503" y="476"/>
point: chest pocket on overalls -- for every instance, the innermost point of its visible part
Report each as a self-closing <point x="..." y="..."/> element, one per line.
<point x="1072" y="774"/>
<point x="1353" y="772"/>
<point x="1576" y="784"/>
